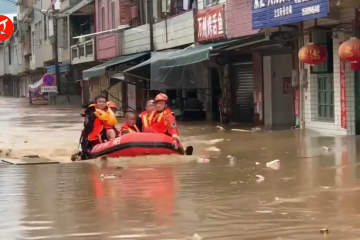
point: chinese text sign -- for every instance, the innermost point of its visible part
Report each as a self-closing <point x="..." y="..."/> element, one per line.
<point x="271" y="13"/>
<point x="210" y="23"/>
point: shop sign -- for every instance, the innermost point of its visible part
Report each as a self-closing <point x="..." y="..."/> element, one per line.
<point x="343" y="95"/>
<point x="210" y="23"/>
<point x="271" y="13"/>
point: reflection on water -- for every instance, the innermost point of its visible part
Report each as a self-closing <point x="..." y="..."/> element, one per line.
<point x="172" y="197"/>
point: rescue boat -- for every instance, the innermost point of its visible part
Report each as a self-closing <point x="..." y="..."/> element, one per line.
<point x="138" y="144"/>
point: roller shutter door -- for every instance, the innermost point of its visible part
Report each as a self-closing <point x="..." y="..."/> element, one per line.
<point x="244" y="92"/>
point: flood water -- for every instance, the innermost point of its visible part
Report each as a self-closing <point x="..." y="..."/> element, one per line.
<point x="172" y="197"/>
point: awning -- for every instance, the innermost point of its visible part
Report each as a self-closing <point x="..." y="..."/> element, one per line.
<point x="101" y="69"/>
<point x="201" y="53"/>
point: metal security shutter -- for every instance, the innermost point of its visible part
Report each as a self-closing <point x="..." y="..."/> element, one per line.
<point x="95" y="87"/>
<point x="114" y="95"/>
<point x="104" y="83"/>
<point x="244" y="92"/>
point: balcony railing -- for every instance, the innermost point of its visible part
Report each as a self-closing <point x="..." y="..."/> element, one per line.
<point x="83" y="52"/>
<point x="135" y="22"/>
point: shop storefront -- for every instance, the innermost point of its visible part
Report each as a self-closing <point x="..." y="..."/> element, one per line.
<point x="105" y="79"/>
<point x="317" y="78"/>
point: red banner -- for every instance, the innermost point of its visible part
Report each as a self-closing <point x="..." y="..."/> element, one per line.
<point x="296" y="101"/>
<point x="210" y="23"/>
<point x="343" y="95"/>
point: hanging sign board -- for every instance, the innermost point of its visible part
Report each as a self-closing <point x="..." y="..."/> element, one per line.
<point x="272" y="13"/>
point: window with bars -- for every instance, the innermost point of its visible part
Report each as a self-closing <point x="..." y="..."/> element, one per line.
<point x="112" y="14"/>
<point x="326" y="97"/>
<point x="323" y="37"/>
<point x="102" y="15"/>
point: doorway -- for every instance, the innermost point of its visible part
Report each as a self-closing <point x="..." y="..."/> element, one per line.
<point x="215" y="93"/>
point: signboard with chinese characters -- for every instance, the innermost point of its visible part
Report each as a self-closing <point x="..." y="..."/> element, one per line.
<point x="343" y="95"/>
<point x="271" y="13"/>
<point x="210" y="23"/>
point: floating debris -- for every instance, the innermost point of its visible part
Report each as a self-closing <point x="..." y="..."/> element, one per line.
<point x="275" y="164"/>
<point x="257" y="163"/>
<point x="239" y="130"/>
<point x="109" y="176"/>
<point x="259" y="178"/>
<point x="324" y="231"/>
<point x="220" y="128"/>
<point x="203" y="160"/>
<point x="196" y="237"/>
<point x="212" y="149"/>
<point x="256" y="129"/>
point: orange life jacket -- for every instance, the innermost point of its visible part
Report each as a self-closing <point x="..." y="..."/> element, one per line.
<point x="145" y="119"/>
<point x="128" y="128"/>
<point x="158" y="120"/>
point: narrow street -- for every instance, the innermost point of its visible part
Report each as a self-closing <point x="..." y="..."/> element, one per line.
<point x="316" y="186"/>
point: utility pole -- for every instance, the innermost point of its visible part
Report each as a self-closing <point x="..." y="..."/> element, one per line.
<point x="55" y="48"/>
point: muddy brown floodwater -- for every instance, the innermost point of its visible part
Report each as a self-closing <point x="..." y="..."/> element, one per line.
<point x="172" y="197"/>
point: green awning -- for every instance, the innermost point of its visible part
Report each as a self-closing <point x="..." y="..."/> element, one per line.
<point x="202" y="52"/>
<point x="101" y="69"/>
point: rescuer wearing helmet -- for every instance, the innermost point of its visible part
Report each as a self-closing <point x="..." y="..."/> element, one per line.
<point x="163" y="120"/>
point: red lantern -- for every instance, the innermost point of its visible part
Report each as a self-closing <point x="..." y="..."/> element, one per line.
<point x="312" y="54"/>
<point x="355" y="66"/>
<point x="350" y="50"/>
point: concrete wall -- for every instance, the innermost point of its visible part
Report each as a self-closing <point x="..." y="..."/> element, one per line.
<point x="310" y="94"/>
<point x="37" y="26"/>
<point x="2" y="61"/>
<point x="180" y="31"/>
<point x="135" y="40"/>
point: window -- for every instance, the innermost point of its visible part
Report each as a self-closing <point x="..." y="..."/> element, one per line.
<point x="102" y="15"/>
<point x="112" y="14"/>
<point x="10" y="50"/>
<point x="45" y="28"/>
<point x="209" y="3"/>
<point x="32" y="42"/>
<point x="324" y="38"/>
<point x="326" y="97"/>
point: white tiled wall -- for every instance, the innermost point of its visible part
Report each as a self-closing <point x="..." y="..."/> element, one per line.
<point x="310" y="94"/>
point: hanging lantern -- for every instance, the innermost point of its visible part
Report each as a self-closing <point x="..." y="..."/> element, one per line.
<point x="350" y="50"/>
<point x="355" y="66"/>
<point x="312" y="54"/>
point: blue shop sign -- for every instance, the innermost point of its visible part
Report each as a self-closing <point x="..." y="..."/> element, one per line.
<point x="271" y="13"/>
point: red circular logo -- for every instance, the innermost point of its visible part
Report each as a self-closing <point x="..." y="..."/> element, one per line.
<point x="6" y="28"/>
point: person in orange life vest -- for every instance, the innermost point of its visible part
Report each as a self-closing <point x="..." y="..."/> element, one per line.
<point x="100" y="116"/>
<point x="129" y="125"/>
<point x="144" y="120"/>
<point x="111" y="131"/>
<point x="163" y="120"/>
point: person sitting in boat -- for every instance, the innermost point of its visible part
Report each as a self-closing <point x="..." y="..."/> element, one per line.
<point x="111" y="131"/>
<point x="101" y="122"/>
<point x="144" y="121"/>
<point x="163" y="120"/>
<point x="129" y="125"/>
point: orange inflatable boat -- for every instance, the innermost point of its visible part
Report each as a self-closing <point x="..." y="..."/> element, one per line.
<point x="138" y="144"/>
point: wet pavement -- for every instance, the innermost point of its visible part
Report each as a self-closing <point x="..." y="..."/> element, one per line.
<point x="174" y="197"/>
